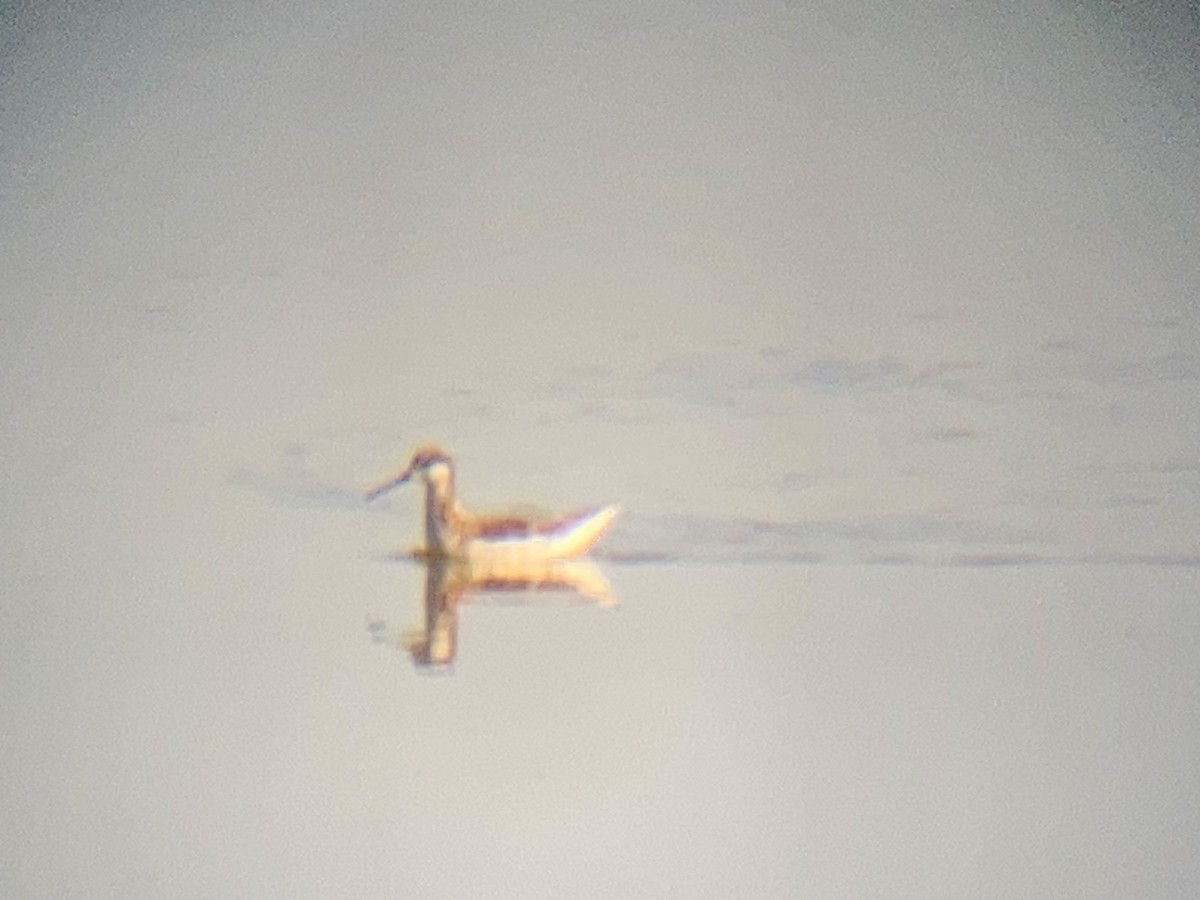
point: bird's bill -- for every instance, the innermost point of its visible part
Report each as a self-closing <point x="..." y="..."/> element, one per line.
<point x="389" y="484"/>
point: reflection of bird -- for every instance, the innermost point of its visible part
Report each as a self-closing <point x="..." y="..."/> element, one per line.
<point x="495" y="543"/>
<point x="433" y="645"/>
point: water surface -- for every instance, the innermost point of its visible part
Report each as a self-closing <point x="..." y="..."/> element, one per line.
<point x="881" y="326"/>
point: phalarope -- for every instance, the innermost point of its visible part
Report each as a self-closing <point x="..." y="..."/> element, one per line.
<point x="492" y="544"/>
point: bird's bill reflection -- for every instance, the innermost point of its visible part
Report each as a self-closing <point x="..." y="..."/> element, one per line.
<point x="433" y="644"/>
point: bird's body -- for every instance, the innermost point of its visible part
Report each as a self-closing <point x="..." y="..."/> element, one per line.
<point x="501" y="543"/>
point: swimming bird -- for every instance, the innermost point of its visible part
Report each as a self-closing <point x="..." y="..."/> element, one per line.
<point x="495" y="544"/>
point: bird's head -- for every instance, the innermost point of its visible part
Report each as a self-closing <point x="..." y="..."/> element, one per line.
<point x="430" y="462"/>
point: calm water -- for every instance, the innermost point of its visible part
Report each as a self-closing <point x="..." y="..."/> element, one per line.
<point x="882" y="327"/>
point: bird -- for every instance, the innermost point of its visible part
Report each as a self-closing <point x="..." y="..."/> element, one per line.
<point x="499" y="544"/>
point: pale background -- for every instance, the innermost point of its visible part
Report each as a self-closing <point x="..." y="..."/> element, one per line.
<point x="880" y="319"/>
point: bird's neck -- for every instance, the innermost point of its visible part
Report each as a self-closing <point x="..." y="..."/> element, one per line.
<point x="442" y="514"/>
